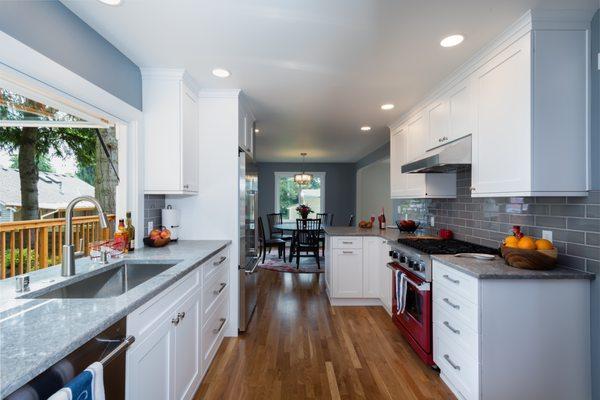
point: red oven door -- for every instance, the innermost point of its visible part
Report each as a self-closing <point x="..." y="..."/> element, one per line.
<point x="415" y="319"/>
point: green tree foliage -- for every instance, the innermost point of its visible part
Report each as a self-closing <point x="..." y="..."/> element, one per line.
<point x="43" y="163"/>
<point x="289" y="193"/>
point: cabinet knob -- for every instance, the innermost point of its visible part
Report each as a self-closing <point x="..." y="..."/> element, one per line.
<point x="472" y="188"/>
<point x="186" y="186"/>
<point x="175" y="321"/>
<point x="181" y="315"/>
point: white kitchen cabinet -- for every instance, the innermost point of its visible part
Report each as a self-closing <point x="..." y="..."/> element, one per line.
<point x="406" y="144"/>
<point x="493" y="339"/>
<point x="150" y="365"/>
<point x="385" y="276"/>
<point x="451" y="116"/>
<point x="531" y="102"/>
<point x="187" y="367"/>
<point x="171" y="132"/>
<point x="347" y="266"/>
<point x="246" y="128"/>
<point x="372" y="249"/>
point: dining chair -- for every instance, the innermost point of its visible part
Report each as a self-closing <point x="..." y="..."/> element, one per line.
<point x="264" y="243"/>
<point x="351" y="222"/>
<point x="274" y="233"/>
<point x="306" y="239"/>
<point x="326" y="220"/>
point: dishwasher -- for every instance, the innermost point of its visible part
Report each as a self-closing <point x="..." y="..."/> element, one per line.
<point x="108" y="347"/>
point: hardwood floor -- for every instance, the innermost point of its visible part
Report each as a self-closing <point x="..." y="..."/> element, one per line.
<point x="299" y="347"/>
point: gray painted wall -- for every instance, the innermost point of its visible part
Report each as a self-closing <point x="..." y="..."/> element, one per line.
<point x="376" y="155"/>
<point x="52" y="29"/>
<point x="340" y="187"/>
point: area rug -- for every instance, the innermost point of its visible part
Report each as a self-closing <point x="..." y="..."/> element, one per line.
<point x="308" y="265"/>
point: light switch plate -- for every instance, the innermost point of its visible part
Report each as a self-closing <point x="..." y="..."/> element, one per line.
<point x="432" y="220"/>
<point x="399" y="209"/>
<point x="547" y="235"/>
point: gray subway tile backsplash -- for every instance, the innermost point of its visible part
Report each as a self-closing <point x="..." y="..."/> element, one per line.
<point x="574" y="221"/>
<point x="153" y="204"/>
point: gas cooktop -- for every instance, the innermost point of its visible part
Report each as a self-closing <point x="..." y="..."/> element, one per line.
<point x="450" y="246"/>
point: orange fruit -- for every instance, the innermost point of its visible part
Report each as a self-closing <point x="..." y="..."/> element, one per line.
<point x="526" y="243"/>
<point x="543" y="244"/>
<point x="511" y="241"/>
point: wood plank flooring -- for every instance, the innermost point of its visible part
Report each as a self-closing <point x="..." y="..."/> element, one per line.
<point x="299" y="347"/>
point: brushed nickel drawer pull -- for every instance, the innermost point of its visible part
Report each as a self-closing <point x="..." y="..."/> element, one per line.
<point x="217" y="330"/>
<point x="347" y="243"/>
<point x="450" y="279"/>
<point x="222" y="286"/>
<point x="221" y="260"/>
<point x="347" y="252"/>
<point x="456" y="306"/>
<point x="175" y="321"/>
<point x="454" y="330"/>
<point x="181" y="315"/>
<point x="447" y="358"/>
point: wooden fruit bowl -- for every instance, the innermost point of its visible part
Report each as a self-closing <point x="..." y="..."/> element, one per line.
<point x="529" y="259"/>
<point x="156" y="242"/>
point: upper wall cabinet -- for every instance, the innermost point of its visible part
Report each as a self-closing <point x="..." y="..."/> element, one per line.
<point x="246" y="128"/>
<point x="525" y="100"/>
<point x="406" y="144"/>
<point x="171" y="128"/>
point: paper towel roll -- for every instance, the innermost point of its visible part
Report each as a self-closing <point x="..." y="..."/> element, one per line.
<point x="170" y="219"/>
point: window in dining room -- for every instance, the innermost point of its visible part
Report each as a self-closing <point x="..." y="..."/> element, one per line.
<point x="288" y="195"/>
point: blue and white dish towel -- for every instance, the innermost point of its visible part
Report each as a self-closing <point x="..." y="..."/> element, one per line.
<point x="400" y="292"/>
<point x="88" y="385"/>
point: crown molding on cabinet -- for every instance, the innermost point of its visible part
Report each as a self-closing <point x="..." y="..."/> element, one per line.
<point x="176" y="74"/>
<point x="220" y="93"/>
<point x="531" y="20"/>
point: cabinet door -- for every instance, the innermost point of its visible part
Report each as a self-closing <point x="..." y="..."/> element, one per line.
<point x="371" y="256"/>
<point x="397" y="158"/>
<point x="461" y="111"/>
<point x="416" y="137"/>
<point x="150" y="365"/>
<point x="348" y="273"/>
<point x="328" y="264"/>
<point x="439" y="122"/>
<point x="190" y="141"/>
<point x="187" y="349"/>
<point x="385" y="277"/>
<point x="502" y="140"/>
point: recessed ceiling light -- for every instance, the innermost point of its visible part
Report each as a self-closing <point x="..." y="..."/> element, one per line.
<point x="365" y="128"/>
<point x="387" y="106"/>
<point x="256" y="130"/>
<point x="452" y="40"/>
<point x="111" y="2"/>
<point x="221" y="73"/>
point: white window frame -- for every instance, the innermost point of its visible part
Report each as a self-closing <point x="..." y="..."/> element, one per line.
<point x="282" y="174"/>
<point x="25" y="70"/>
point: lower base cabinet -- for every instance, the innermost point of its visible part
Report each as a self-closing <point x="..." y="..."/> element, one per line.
<point x="176" y="336"/>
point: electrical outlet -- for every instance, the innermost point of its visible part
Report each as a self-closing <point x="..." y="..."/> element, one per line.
<point x="150" y="226"/>
<point x="399" y="209"/>
<point x="432" y="220"/>
<point x="547" y="235"/>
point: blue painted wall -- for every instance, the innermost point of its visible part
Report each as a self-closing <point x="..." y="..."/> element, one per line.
<point x="340" y="187"/>
<point x="53" y="30"/>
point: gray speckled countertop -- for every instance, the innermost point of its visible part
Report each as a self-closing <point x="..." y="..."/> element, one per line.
<point x="497" y="269"/>
<point x="391" y="234"/>
<point x="36" y="333"/>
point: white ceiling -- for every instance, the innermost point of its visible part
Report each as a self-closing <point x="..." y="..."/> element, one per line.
<point x="315" y="70"/>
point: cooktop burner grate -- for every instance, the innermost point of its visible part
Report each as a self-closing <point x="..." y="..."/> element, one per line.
<point x="451" y="246"/>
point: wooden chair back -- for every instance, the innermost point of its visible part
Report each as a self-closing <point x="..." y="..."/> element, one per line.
<point x="326" y="219"/>
<point x="274" y="219"/>
<point x="307" y="232"/>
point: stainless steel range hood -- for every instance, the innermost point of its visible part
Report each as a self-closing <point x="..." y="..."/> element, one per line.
<point x="446" y="158"/>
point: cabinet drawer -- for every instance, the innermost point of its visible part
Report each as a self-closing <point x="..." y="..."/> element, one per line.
<point x="214" y="290"/>
<point x="456" y="306"/>
<point x="218" y="262"/>
<point x="346" y="242"/>
<point x="144" y="318"/>
<point x="457" y="281"/>
<point x="455" y="330"/>
<point x="459" y="368"/>
<point x="214" y="330"/>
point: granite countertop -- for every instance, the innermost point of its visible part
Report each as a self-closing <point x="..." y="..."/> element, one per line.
<point x="36" y="333"/>
<point x="497" y="269"/>
<point x="391" y="234"/>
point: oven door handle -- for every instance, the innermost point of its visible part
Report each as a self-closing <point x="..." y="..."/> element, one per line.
<point x="421" y="287"/>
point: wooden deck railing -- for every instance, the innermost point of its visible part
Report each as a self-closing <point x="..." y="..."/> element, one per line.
<point x="29" y="245"/>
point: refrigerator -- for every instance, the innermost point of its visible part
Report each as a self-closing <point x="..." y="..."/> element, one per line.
<point x="248" y="257"/>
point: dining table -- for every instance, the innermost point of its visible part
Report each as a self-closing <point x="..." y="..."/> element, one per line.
<point x="289" y="227"/>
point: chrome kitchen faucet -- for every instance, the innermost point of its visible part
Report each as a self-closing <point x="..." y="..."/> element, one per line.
<point x="68" y="261"/>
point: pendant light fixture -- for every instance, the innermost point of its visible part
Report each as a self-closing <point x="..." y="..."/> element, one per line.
<point x="303" y="178"/>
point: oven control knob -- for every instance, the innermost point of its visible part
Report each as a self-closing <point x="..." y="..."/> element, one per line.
<point x="421" y="267"/>
<point x="412" y="264"/>
<point x="402" y="258"/>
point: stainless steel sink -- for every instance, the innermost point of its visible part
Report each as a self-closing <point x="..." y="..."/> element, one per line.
<point x="111" y="283"/>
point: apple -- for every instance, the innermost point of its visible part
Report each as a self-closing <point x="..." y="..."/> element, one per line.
<point x="165" y="234"/>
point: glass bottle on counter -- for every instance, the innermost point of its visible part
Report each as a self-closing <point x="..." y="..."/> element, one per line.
<point x="130" y="229"/>
<point x="382" y="219"/>
<point x="121" y="239"/>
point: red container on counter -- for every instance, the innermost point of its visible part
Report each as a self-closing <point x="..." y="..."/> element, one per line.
<point x="446" y="234"/>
